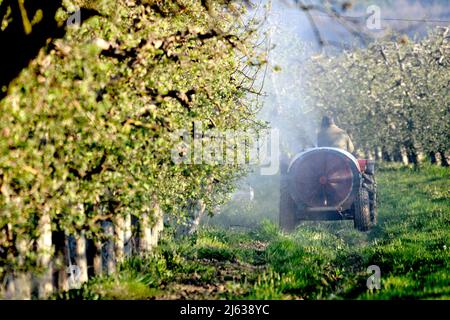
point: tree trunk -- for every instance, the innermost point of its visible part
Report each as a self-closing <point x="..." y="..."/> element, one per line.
<point x="10" y="287"/>
<point x="81" y="258"/>
<point x="286" y="216"/>
<point x="44" y="252"/>
<point x="411" y="153"/>
<point x="378" y="154"/>
<point x="145" y="234"/>
<point x="61" y="260"/>
<point x="404" y="156"/>
<point x="432" y="156"/>
<point x="158" y="226"/>
<point x="420" y="156"/>
<point x="444" y="161"/>
<point x="23" y="279"/>
<point x="119" y="243"/>
<point x="108" y="228"/>
<point x="23" y="286"/>
<point x="149" y="232"/>
<point x="385" y="155"/>
<point x="136" y="234"/>
<point x="412" y="157"/>
<point x="97" y="262"/>
<point x="197" y="215"/>
<point x="128" y="234"/>
<point x="398" y="155"/>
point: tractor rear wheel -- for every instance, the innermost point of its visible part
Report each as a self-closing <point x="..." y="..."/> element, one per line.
<point x="373" y="209"/>
<point x="371" y="185"/>
<point x="361" y="210"/>
<point x="287" y="218"/>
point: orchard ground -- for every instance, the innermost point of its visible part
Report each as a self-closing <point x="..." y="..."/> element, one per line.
<point x="325" y="260"/>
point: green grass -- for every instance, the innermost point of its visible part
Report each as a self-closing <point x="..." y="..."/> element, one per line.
<point x="320" y="260"/>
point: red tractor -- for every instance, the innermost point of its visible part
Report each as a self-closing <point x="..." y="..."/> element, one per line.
<point x="327" y="184"/>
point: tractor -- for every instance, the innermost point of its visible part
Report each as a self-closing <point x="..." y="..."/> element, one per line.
<point x="327" y="184"/>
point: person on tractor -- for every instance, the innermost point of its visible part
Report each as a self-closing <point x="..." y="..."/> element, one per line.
<point x="330" y="135"/>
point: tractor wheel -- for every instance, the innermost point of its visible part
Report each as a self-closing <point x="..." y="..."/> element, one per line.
<point x="373" y="208"/>
<point x="287" y="218"/>
<point x="371" y="185"/>
<point x="361" y="210"/>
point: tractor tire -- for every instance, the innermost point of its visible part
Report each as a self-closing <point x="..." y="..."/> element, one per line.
<point x="371" y="185"/>
<point x="287" y="218"/>
<point x="287" y="221"/>
<point x="373" y="208"/>
<point x="361" y="210"/>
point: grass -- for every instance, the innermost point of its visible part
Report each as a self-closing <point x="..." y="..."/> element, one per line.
<point x="320" y="260"/>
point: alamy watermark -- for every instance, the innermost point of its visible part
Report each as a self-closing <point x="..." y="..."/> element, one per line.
<point x="373" y="21"/>
<point x="74" y="272"/>
<point x="230" y="147"/>
<point x="74" y="20"/>
<point x="374" y="281"/>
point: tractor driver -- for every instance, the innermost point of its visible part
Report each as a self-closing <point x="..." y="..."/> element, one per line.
<point x="330" y="135"/>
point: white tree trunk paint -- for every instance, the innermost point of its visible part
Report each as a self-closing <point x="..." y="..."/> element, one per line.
<point x="9" y="291"/>
<point x="23" y="279"/>
<point x="119" y="237"/>
<point x="404" y="156"/>
<point x="159" y="225"/>
<point x="128" y="233"/>
<point x="23" y="286"/>
<point x="150" y="232"/>
<point x="62" y="261"/>
<point x="44" y="250"/>
<point x="119" y="244"/>
<point x="97" y="260"/>
<point x="108" y="228"/>
<point x="378" y="154"/>
<point x="80" y="258"/>
<point x="146" y="234"/>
